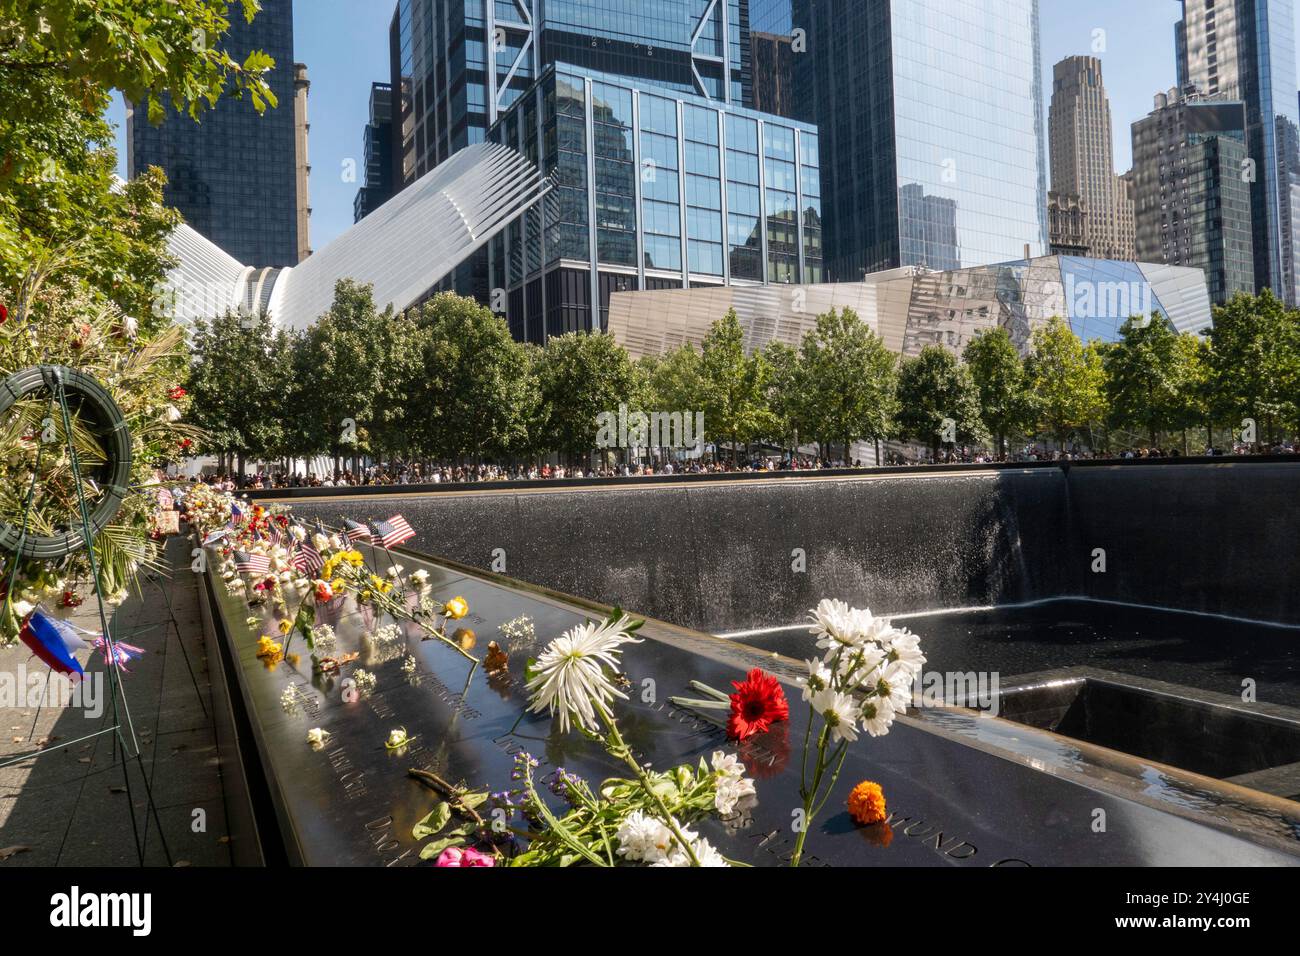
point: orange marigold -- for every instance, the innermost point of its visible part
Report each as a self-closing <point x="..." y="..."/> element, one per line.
<point x="867" y="803"/>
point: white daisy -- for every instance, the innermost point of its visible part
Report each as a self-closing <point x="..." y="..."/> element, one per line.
<point x="905" y="647"/>
<point x="572" y="678"/>
<point x="877" y="716"/>
<point x="894" y="685"/>
<point x="818" y="679"/>
<point x="835" y="624"/>
<point x="840" y="712"/>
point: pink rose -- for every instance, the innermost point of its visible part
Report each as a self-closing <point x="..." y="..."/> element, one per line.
<point x="465" y="856"/>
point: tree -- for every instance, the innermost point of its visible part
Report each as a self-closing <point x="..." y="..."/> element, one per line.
<point x="937" y="400"/>
<point x="734" y="385"/>
<point x="1255" y="362"/>
<point x="1192" y="407"/>
<point x="847" y="382"/>
<point x="999" y="376"/>
<point x="345" y="346"/>
<point x="1065" y="380"/>
<point x="473" y="385"/>
<point x="581" y="375"/>
<point x="240" y="369"/>
<point x="62" y="216"/>
<point x="1141" y="380"/>
<point x="785" y="393"/>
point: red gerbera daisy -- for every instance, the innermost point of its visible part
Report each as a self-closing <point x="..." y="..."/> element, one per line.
<point x="757" y="704"/>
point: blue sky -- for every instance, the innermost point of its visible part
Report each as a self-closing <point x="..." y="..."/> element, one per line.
<point x="345" y="46"/>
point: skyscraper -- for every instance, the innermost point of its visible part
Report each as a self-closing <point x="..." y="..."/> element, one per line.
<point x="929" y="115"/>
<point x="1245" y="50"/>
<point x="1193" y="207"/>
<point x="1082" y="155"/>
<point x="377" y="154"/>
<point x="235" y="175"/>
<point x="654" y="190"/>
<point x="457" y="65"/>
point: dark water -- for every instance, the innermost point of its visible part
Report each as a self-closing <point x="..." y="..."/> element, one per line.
<point x="1207" y="653"/>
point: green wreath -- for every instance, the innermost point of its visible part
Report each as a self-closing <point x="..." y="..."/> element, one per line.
<point x="95" y="411"/>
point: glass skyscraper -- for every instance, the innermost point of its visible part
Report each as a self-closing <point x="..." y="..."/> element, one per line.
<point x="1245" y="50"/>
<point x="234" y="174"/>
<point x="655" y="189"/>
<point x="931" y="130"/>
<point x="457" y="65"/>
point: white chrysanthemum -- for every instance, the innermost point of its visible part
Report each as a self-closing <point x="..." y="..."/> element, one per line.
<point x="840" y="712"/>
<point x="644" y="838"/>
<point x="572" y="678"/>
<point x="856" y="666"/>
<point x="707" y="854"/>
<point x="905" y="647"/>
<point x="298" y="532"/>
<point x="704" y="852"/>
<point x="818" y="679"/>
<point x="894" y="685"/>
<point x="320" y="542"/>
<point x="877" y="716"/>
<point x="835" y="624"/>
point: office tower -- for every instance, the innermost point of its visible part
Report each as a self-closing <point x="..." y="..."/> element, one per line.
<point x="654" y="189"/>
<point x="377" y="154"/>
<point x="302" y="163"/>
<point x="1245" y="50"/>
<point x="1067" y="231"/>
<point x="772" y="59"/>
<point x="930" y="122"/>
<point x="457" y="65"/>
<point x="1193" y="207"/>
<point x="1082" y="155"/>
<point x="235" y="175"/>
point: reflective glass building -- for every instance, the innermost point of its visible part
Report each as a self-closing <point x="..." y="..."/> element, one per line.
<point x="654" y="190"/>
<point x="931" y="124"/>
<point x="234" y="174"/>
<point x="1245" y="50"/>
<point x="457" y="65"/>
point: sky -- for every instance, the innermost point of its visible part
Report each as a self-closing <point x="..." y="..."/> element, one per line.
<point x="345" y="46"/>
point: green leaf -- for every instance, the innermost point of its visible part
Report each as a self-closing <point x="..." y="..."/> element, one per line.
<point x="474" y="800"/>
<point x="437" y="818"/>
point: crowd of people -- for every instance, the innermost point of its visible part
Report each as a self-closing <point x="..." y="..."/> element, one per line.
<point x="416" y="473"/>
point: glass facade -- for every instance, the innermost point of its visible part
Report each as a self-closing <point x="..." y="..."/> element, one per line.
<point x="653" y="190"/>
<point x="1245" y="49"/>
<point x="233" y="176"/>
<point x="930" y="116"/>
<point x="460" y="64"/>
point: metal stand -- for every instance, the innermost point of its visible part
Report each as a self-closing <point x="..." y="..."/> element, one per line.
<point x="120" y="715"/>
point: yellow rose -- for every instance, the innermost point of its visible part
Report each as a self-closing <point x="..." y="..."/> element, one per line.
<point x="286" y="626"/>
<point x="456" y="608"/>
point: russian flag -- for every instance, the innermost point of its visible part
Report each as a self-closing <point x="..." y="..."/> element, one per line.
<point x="53" y="642"/>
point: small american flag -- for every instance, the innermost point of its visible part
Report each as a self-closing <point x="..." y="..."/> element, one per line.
<point x="251" y="563"/>
<point x="356" y="530"/>
<point x="393" y="531"/>
<point x="307" y="558"/>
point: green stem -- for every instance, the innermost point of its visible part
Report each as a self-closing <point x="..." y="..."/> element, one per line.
<point x="809" y="796"/>
<point x="621" y="749"/>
